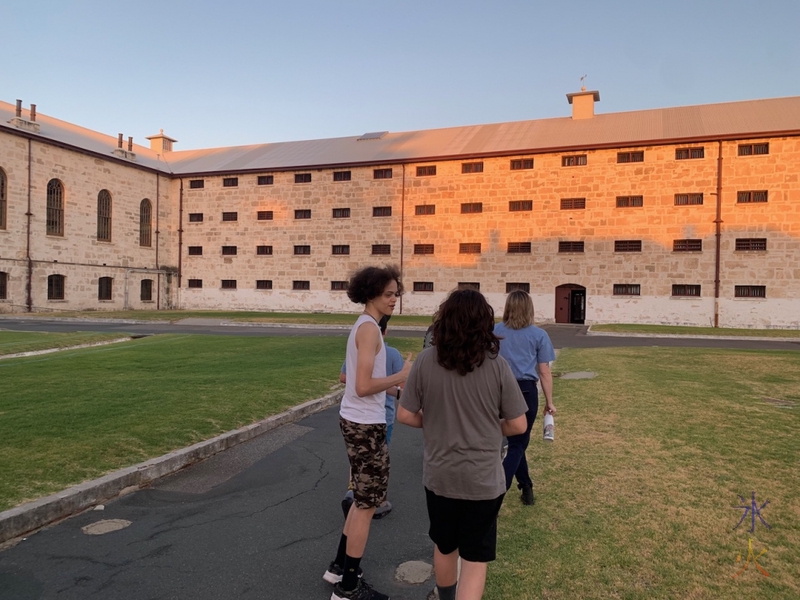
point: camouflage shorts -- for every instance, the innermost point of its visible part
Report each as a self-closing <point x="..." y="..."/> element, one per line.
<point x="369" y="461"/>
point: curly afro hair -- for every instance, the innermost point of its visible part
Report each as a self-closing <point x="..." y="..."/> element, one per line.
<point x="370" y="282"/>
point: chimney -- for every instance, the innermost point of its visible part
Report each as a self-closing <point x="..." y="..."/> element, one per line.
<point x="119" y="140"/>
<point x="130" y="144"/>
<point x="19" y="109"/>
<point x="583" y="103"/>
<point x="33" y="113"/>
<point x="161" y="143"/>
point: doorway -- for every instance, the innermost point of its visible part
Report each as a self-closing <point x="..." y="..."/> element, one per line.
<point x="571" y="304"/>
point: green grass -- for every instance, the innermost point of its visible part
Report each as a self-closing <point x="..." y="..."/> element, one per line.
<point x="636" y="497"/>
<point x="681" y="330"/>
<point x="244" y="316"/>
<point x="12" y="342"/>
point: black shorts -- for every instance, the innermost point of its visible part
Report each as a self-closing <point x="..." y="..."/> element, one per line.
<point x="469" y="526"/>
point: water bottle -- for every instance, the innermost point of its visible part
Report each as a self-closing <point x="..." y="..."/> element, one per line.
<point x="548" y="430"/>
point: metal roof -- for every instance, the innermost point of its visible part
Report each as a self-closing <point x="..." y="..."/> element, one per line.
<point x="753" y="118"/>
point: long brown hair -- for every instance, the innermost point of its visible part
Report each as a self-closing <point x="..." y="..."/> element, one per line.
<point x="463" y="331"/>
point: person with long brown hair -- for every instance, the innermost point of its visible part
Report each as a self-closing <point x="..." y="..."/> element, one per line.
<point x="465" y="398"/>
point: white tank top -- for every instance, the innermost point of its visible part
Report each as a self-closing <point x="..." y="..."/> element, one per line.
<point x="371" y="409"/>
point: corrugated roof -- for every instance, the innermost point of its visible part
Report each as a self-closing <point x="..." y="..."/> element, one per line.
<point x="709" y="121"/>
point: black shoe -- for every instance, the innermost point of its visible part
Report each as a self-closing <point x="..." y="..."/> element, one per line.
<point x="335" y="573"/>
<point x="528" y="499"/>
<point x="363" y="591"/>
<point x="347" y="502"/>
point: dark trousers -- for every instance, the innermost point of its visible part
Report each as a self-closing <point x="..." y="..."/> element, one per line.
<point x="515" y="464"/>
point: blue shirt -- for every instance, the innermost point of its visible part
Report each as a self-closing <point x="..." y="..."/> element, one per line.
<point x="524" y="349"/>
<point x="394" y="364"/>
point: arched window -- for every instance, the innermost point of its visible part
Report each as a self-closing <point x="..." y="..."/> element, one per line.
<point x="104" y="216"/>
<point x="3" y="201"/>
<point x="3" y="285"/>
<point x="105" y="288"/>
<point x="145" y="223"/>
<point x="55" y="287"/>
<point x="147" y="290"/>
<point x="55" y="207"/>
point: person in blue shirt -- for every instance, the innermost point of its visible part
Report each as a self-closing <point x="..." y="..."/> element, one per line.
<point x="529" y="352"/>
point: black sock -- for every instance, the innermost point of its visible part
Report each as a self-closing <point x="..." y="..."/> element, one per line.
<point x="447" y="593"/>
<point x="342" y="551"/>
<point x="350" y="579"/>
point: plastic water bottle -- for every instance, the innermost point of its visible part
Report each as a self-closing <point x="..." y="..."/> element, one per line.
<point x="548" y="430"/>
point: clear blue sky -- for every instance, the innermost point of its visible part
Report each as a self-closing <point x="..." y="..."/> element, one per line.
<point x="247" y="71"/>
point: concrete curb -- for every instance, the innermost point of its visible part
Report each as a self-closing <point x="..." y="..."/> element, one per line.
<point x="738" y="338"/>
<point x="33" y="515"/>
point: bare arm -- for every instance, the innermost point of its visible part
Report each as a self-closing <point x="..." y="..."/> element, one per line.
<point x="546" y="379"/>
<point x="406" y="417"/>
<point x="368" y="344"/>
<point x="514" y="426"/>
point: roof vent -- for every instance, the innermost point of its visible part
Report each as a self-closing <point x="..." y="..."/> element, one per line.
<point x="583" y="103"/>
<point x="21" y="122"/>
<point x="375" y="135"/>
<point x="161" y="143"/>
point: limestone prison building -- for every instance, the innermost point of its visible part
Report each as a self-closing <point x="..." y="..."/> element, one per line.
<point x="687" y="215"/>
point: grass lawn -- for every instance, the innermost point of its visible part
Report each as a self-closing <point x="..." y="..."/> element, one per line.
<point x="75" y="415"/>
<point x="638" y="496"/>
<point x="680" y="330"/>
<point x="13" y="342"/>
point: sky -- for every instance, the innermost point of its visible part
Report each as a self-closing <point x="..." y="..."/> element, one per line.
<point x="247" y="72"/>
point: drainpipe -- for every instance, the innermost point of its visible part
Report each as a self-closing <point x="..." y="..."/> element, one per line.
<point x="402" y="228"/>
<point x="158" y="277"/>
<point x="718" y="224"/>
<point x="28" y="215"/>
<point x="180" y="237"/>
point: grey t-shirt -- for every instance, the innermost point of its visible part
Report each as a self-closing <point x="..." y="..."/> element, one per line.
<point x="461" y="424"/>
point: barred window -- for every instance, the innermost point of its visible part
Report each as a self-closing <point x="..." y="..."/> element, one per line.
<point x="519" y="247"/>
<point x="3" y="285"/>
<point x="425" y="209"/>
<point x="302" y="178"/>
<point x="265" y="215"/>
<point x="630" y="157"/>
<point x="230" y="216"/>
<point x="471" y="207"/>
<point x="573" y="203"/>
<point x="304" y="213"/>
<point x="230" y="182"/>
<point x="423" y="248"/>
<point x="751" y="244"/>
<point x="302" y="250"/>
<point x="341" y="213"/>
<point x="263" y="284"/>
<point x="55" y="208"/>
<point x="423" y="286"/>
<point x="750" y="291"/>
<point x="381" y="211"/>
<point x="196" y="184"/>
<point x="3" y="200"/>
<point x="55" y="287"/>
<point x="520" y="205"/>
<point x="301" y="285"/>
<point x="229" y="250"/>
<point x="104" y="216"/>
<point x="472" y="167"/>
<point x="341" y="175"/>
<point x="627" y="245"/>
<point x="263" y="250"/>
<point x="426" y="171"/>
<point x="104" y="288"/>
<point x="512" y="286"/>
<point x="570" y="246"/>
<point x="686" y="290"/>
<point x="228" y="284"/>
<point x="195" y="250"/>
<point x="577" y="160"/>
<point x="469" y="248"/>
<point x="751" y="197"/>
<point x="469" y="285"/>
<point x="146" y="290"/>
<point x="381" y="249"/>
<point x="145" y="223"/>
<point x="629" y="201"/>
<point x="341" y="249"/>
<point x="689" y="153"/>
<point x="627" y="289"/>
<point x="194" y="283"/>
<point x="195" y="217"/>
<point x="339" y="286"/>
<point x="688" y="199"/>
<point x="753" y="149"/>
<point x="265" y="180"/>
<point x="687" y="245"/>
<point x="382" y="174"/>
<point x="521" y="163"/>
